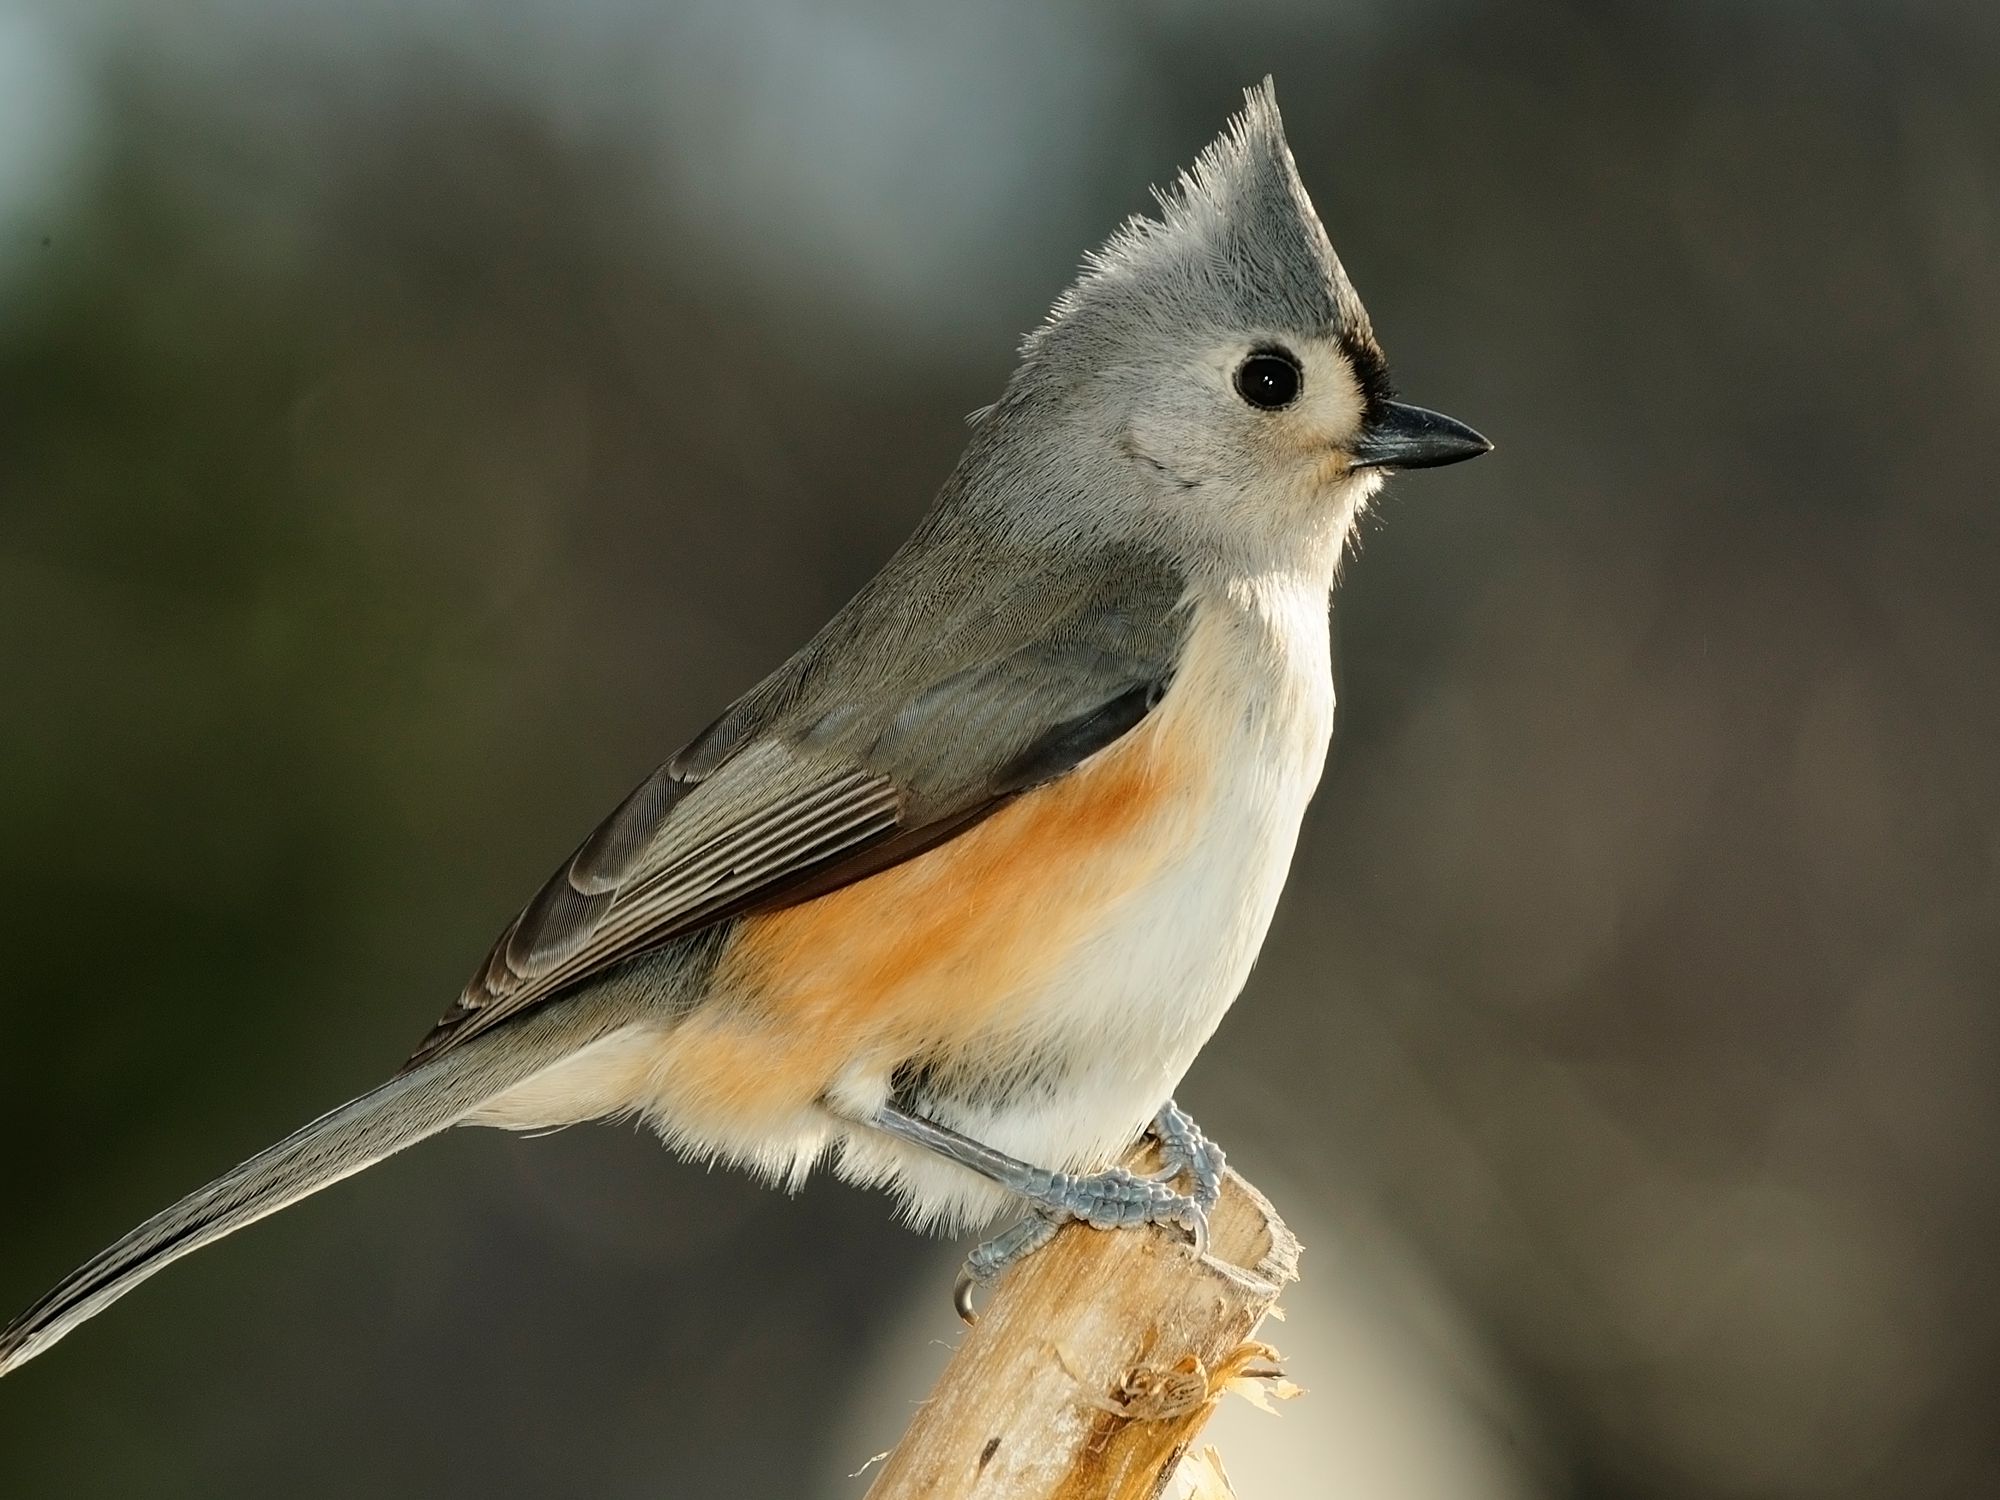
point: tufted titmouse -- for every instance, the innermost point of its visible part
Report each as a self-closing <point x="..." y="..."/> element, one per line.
<point x="955" y="895"/>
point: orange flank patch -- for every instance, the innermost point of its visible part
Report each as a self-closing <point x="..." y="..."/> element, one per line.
<point x="952" y="948"/>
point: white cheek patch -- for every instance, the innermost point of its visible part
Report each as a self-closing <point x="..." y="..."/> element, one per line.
<point x="1329" y="410"/>
<point x="1198" y="433"/>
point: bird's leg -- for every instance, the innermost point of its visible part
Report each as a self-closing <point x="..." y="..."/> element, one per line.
<point x="1186" y="1151"/>
<point x="1111" y="1199"/>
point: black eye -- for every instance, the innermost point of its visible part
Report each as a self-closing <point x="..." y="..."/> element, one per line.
<point x="1269" y="379"/>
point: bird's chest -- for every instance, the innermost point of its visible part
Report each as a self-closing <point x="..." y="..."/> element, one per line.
<point x="1155" y="929"/>
<point x="1244" y="730"/>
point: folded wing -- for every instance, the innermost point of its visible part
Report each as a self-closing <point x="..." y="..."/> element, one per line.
<point x="855" y="755"/>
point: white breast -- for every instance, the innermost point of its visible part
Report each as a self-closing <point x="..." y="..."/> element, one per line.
<point x="1127" y="1014"/>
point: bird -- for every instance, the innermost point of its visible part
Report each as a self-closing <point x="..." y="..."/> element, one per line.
<point x="953" y="897"/>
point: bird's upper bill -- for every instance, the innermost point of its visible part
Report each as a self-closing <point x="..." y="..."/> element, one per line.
<point x="1399" y="436"/>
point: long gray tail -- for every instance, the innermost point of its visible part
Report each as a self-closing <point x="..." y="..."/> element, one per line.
<point x="360" y="1133"/>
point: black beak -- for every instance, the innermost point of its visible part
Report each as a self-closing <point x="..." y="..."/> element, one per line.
<point x="1408" y="437"/>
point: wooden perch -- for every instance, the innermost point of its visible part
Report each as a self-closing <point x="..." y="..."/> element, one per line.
<point x="1097" y="1361"/>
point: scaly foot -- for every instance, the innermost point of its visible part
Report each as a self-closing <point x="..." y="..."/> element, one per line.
<point x="1187" y="1152"/>
<point x="1111" y="1199"/>
<point x="987" y="1262"/>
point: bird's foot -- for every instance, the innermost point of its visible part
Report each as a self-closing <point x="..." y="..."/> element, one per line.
<point x="1111" y="1199"/>
<point x="988" y="1262"/>
<point x="1188" y="1153"/>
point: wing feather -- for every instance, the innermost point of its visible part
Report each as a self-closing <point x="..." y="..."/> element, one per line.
<point x="858" y="753"/>
<point x="567" y="933"/>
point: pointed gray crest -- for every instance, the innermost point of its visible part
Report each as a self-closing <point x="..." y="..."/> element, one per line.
<point x="1237" y="247"/>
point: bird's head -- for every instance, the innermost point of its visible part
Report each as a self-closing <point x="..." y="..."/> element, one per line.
<point x="1221" y="349"/>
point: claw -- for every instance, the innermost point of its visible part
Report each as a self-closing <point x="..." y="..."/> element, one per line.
<point x="989" y="1261"/>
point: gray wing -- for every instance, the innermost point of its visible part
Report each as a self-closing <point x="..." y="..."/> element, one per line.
<point x="936" y="697"/>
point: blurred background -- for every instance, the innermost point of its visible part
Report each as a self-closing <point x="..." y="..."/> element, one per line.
<point x="416" y="419"/>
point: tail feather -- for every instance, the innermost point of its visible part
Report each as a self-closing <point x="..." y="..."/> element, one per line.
<point x="403" y="1111"/>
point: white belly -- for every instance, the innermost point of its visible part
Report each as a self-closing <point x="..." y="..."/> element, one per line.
<point x="1112" y="1032"/>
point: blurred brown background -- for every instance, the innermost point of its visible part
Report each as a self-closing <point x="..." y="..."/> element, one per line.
<point x="416" y="419"/>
